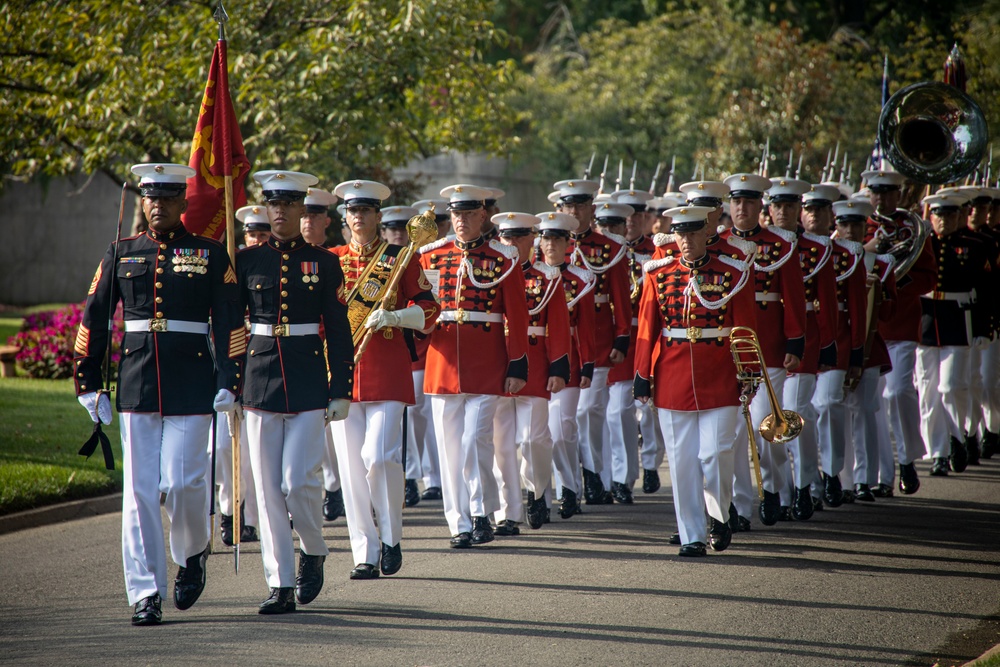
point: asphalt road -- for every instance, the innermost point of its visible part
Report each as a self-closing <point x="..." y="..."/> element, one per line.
<point x="903" y="581"/>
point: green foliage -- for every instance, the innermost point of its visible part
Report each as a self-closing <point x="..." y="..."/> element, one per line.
<point x="339" y="89"/>
<point x="41" y="429"/>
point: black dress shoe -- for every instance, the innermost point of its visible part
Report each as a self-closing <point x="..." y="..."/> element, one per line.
<point x="909" y="482"/>
<point x="817" y="505"/>
<point x="785" y="513"/>
<point x="833" y="492"/>
<point x="392" y="559"/>
<point x="991" y="444"/>
<point x="940" y="467"/>
<point x="548" y="515"/>
<point x="190" y="581"/>
<point x="226" y="528"/>
<point x="848" y="496"/>
<point x="882" y="491"/>
<point x="802" y="504"/>
<point x="570" y="504"/>
<point x="972" y="447"/>
<point x="431" y="493"/>
<point x="743" y="525"/>
<point x="364" y="571"/>
<point x="282" y="601"/>
<point x="594" y="492"/>
<point x="536" y="511"/>
<point x="719" y="535"/>
<point x="650" y="481"/>
<point x="482" y="531"/>
<point x="695" y="550"/>
<point x="621" y="493"/>
<point x="770" y="508"/>
<point x="734" y="518"/>
<point x="249" y="534"/>
<point x="506" y="528"/>
<point x="461" y="541"/>
<point x="959" y="455"/>
<point x="147" y="611"/>
<point x="309" y="581"/>
<point x="675" y="539"/>
<point x="864" y="493"/>
<point x="333" y="505"/>
<point x="411" y="494"/>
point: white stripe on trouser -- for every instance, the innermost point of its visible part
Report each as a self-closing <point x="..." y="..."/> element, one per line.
<point x="990" y="370"/>
<point x="369" y="452"/>
<point x="521" y="423"/>
<point x="652" y="451"/>
<point x="803" y="450"/>
<point x="565" y="440"/>
<point x="224" y="471"/>
<point x="590" y="420"/>
<point x="624" y="433"/>
<point x="901" y="405"/>
<point x="421" y="433"/>
<point x="464" y="427"/>
<point x="700" y="454"/>
<point x="286" y="452"/>
<point x="772" y="456"/>
<point x="162" y="455"/>
<point x="831" y="433"/>
<point x="973" y="412"/>
<point x="862" y="406"/>
<point x="331" y="471"/>
<point x="943" y="387"/>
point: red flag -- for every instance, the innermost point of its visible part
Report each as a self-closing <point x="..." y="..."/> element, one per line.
<point x="217" y="150"/>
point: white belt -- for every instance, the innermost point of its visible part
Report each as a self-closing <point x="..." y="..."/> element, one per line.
<point x="810" y="306"/>
<point x="601" y="298"/>
<point x="842" y="307"/>
<point x="160" y="325"/>
<point x="276" y="330"/>
<point x="635" y="321"/>
<point x="463" y="316"/>
<point x="960" y="297"/>
<point x="769" y="296"/>
<point x="572" y="331"/>
<point x="696" y="333"/>
<point x="537" y="331"/>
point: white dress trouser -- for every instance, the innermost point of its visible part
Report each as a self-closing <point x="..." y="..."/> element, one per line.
<point x="590" y="419"/>
<point x="162" y="455"/>
<point x="831" y="418"/>
<point x="464" y="427"/>
<point x="652" y="451"/>
<point x="803" y="450"/>
<point x="700" y="452"/>
<point x="369" y="452"/>
<point x="900" y="403"/>
<point x="974" y="411"/>
<point x="886" y="451"/>
<point x="624" y="434"/>
<point x="773" y="456"/>
<point x="224" y="471"/>
<point x="286" y="452"/>
<point x="743" y="491"/>
<point x="421" y="435"/>
<point x="990" y="371"/>
<point x="943" y="386"/>
<point x="565" y="440"/>
<point x="331" y="471"/>
<point x="521" y="423"/>
<point x="862" y="405"/>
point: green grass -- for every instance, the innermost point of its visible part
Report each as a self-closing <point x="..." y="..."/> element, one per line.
<point x="42" y="426"/>
<point x="8" y="327"/>
<point x="989" y="661"/>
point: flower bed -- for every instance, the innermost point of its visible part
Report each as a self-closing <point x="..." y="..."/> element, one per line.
<point x="46" y="340"/>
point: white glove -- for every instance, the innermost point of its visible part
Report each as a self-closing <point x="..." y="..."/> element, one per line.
<point x="233" y="419"/>
<point x="337" y="410"/>
<point x="98" y="405"/>
<point x="980" y="343"/>
<point x="225" y="401"/>
<point x="411" y="317"/>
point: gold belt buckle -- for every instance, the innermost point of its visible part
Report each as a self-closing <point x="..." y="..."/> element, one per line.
<point x="694" y="334"/>
<point x="461" y="317"/>
<point x="158" y="325"/>
<point x="816" y="305"/>
<point x="279" y="330"/>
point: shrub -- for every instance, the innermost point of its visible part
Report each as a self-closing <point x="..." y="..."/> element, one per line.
<point x="46" y="340"/>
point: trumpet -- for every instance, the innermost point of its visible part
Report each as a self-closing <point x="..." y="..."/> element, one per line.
<point x="780" y="426"/>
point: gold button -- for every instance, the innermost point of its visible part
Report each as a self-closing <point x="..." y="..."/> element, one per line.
<point x="252" y="352"/>
<point x="310" y="288"/>
<point x="161" y="257"/>
<point x="126" y="350"/>
<point x="258" y="285"/>
<point x="199" y="354"/>
<point x="284" y="306"/>
<point x="284" y="280"/>
<point x="284" y="256"/>
<point x="159" y="299"/>
<point x="159" y="269"/>
<point x="159" y="285"/>
<point x="316" y="352"/>
<point x="284" y="268"/>
<point x="284" y="293"/>
<point x="79" y="375"/>
<point x="237" y="375"/>
<point x="163" y="246"/>
<point x="159" y="314"/>
<point x="83" y="386"/>
<point x="128" y="274"/>
<point x="284" y="319"/>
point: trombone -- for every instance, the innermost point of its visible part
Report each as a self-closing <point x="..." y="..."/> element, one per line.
<point x="780" y="426"/>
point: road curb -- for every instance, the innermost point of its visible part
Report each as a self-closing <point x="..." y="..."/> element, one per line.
<point x="76" y="509"/>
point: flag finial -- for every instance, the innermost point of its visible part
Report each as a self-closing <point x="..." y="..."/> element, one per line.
<point x="222" y="18"/>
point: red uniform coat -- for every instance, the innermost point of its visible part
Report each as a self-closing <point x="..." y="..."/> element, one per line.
<point x="691" y="375"/>
<point x="852" y="300"/>
<point x="821" y="302"/>
<point x="578" y="285"/>
<point x="376" y="375"/>
<point x="878" y="353"/>
<point x="475" y="278"/>
<point x="637" y="253"/>
<point x="549" y="351"/>
<point x="605" y="258"/>
<point x="919" y="280"/>
<point x="731" y="246"/>
<point x="781" y="323"/>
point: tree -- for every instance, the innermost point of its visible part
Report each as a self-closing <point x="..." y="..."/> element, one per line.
<point x="342" y="90"/>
